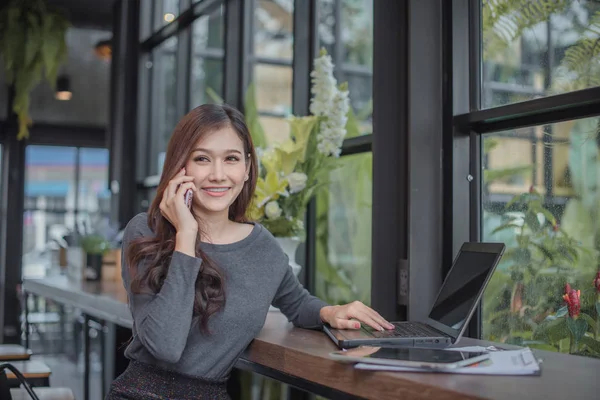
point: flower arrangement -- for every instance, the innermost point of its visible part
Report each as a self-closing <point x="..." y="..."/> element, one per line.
<point x="290" y="173"/>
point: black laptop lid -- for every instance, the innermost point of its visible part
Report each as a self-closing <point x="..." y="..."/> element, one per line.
<point x="464" y="285"/>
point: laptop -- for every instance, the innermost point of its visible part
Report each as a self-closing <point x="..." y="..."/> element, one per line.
<point x="451" y="312"/>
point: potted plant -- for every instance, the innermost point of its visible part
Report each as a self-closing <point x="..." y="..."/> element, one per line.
<point x="95" y="247"/>
<point x="32" y="46"/>
<point x="292" y="172"/>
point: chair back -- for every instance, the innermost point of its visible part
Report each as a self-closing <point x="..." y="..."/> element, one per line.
<point x="5" y="388"/>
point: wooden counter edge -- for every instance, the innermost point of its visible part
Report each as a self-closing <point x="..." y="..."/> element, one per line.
<point x="313" y="372"/>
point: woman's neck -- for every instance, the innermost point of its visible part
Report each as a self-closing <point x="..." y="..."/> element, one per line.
<point x="214" y="228"/>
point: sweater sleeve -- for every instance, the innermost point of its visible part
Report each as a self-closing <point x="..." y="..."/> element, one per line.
<point x="162" y="320"/>
<point x="296" y="303"/>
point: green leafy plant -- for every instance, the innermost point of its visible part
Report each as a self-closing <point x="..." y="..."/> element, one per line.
<point x="535" y="265"/>
<point x="95" y="244"/>
<point x="504" y="21"/>
<point x="33" y="46"/>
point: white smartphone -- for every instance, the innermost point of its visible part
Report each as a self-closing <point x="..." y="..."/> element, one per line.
<point x="414" y="357"/>
<point x="189" y="195"/>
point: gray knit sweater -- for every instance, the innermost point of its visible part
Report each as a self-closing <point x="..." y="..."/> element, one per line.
<point x="166" y="334"/>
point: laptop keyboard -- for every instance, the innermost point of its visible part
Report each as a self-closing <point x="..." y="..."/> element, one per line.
<point x="409" y="329"/>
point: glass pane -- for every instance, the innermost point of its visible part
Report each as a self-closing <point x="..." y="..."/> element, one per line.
<point x="165" y="11"/>
<point x="94" y="195"/>
<point x="49" y="204"/>
<point x="50" y="177"/>
<point x="273" y="88"/>
<point x="552" y="233"/>
<point x="274" y="28"/>
<point x="207" y="81"/>
<point x="207" y="31"/>
<point x="344" y="232"/>
<point x="3" y="94"/>
<point x="40" y="230"/>
<point x="277" y="130"/>
<point x="350" y="44"/>
<point x="164" y="110"/>
<point x="531" y="51"/>
<point x="508" y="164"/>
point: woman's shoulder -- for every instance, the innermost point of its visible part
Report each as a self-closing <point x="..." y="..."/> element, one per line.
<point x="137" y="226"/>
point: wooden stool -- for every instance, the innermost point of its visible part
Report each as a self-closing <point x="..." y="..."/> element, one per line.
<point x="13" y="352"/>
<point x="44" y="393"/>
<point x="35" y="372"/>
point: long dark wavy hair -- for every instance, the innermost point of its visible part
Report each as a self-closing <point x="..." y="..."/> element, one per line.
<point x="157" y="251"/>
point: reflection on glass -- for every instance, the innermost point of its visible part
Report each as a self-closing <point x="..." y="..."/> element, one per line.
<point x="50" y="192"/>
<point x="509" y="164"/>
<point x="344" y="232"/>
<point x="277" y="130"/>
<point x="207" y="61"/>
<point x="531" y="51"/>
<point x="93" y="189"/>
<point x="350" y="43"/>
<point x="273" y="88"/>
<point x="552" y="231"/>
<point x="207" y="31"/>
<point x="165" y="11"/>
<point x="207" y="78"/>
<point x="273" y="29"/>
<point x="164" y="100"/>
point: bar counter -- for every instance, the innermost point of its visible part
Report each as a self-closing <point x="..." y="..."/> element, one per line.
<point x="299" y="357"/>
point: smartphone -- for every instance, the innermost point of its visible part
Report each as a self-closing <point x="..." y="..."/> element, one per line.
<point x="410" y="357"/>
<point x="189" y="195"/>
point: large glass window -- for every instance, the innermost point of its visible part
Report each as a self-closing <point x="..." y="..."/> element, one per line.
<point x="165" y="11"/>
<point x="207" y="62"/>
<point x="544" y="206"/>
<point x="164" y="100"/>
<point x="271" y="65"/>
<point x="344" y="209"/>
<point x="65" y="192"/>
<point x="531" y="51"/>
<point x="344" y="213"/>
<point x="346" y="32"/>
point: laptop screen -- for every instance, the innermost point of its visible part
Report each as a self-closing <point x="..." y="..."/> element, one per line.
<point x="461" y="288"/>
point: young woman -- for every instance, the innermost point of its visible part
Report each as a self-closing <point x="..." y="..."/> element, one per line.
<point x="201" y="279"/>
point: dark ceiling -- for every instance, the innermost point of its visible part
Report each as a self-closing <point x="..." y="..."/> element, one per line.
<point x="87" y="13"/>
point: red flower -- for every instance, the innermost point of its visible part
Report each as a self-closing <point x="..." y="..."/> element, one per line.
<point x="597" y="282"/>
<point x="572" y="297"/>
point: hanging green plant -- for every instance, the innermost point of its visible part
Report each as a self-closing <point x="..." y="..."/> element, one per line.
<point x="33" y="46"/>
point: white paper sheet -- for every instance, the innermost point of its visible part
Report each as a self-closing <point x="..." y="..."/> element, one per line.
<point x="508" y="362"/>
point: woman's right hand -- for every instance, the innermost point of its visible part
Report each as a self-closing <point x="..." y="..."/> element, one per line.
<point x="173" y="207"/>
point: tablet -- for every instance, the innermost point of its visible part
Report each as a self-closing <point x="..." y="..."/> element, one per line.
<point x="410" y="357"/>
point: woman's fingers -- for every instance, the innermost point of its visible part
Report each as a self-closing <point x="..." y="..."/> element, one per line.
<point x="367" y="315"/>
<point x="174" y="185"/>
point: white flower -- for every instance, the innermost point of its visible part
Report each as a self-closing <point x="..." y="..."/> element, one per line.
<point x="297" y="181"/>
<point x="323" y="85"/>
<point x="333" y="128"/>
<point x="272" y="210"/>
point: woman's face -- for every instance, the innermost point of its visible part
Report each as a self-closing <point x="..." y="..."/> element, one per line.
<point x="220" y="168"/>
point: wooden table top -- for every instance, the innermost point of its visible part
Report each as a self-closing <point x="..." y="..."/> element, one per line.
<point x="300" y="357"/>
<point x="13" y="352"/>
<point x="304" y="354"/>
<point x="30" y="369"/>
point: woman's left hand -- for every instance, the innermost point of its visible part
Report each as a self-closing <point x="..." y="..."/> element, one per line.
<point x="350" y="316"/>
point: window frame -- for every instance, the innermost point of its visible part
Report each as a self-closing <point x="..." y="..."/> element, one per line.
<point x="470" y="121"/>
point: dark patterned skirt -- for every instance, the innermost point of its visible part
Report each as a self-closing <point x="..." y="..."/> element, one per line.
<point x="144" y="382"/>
